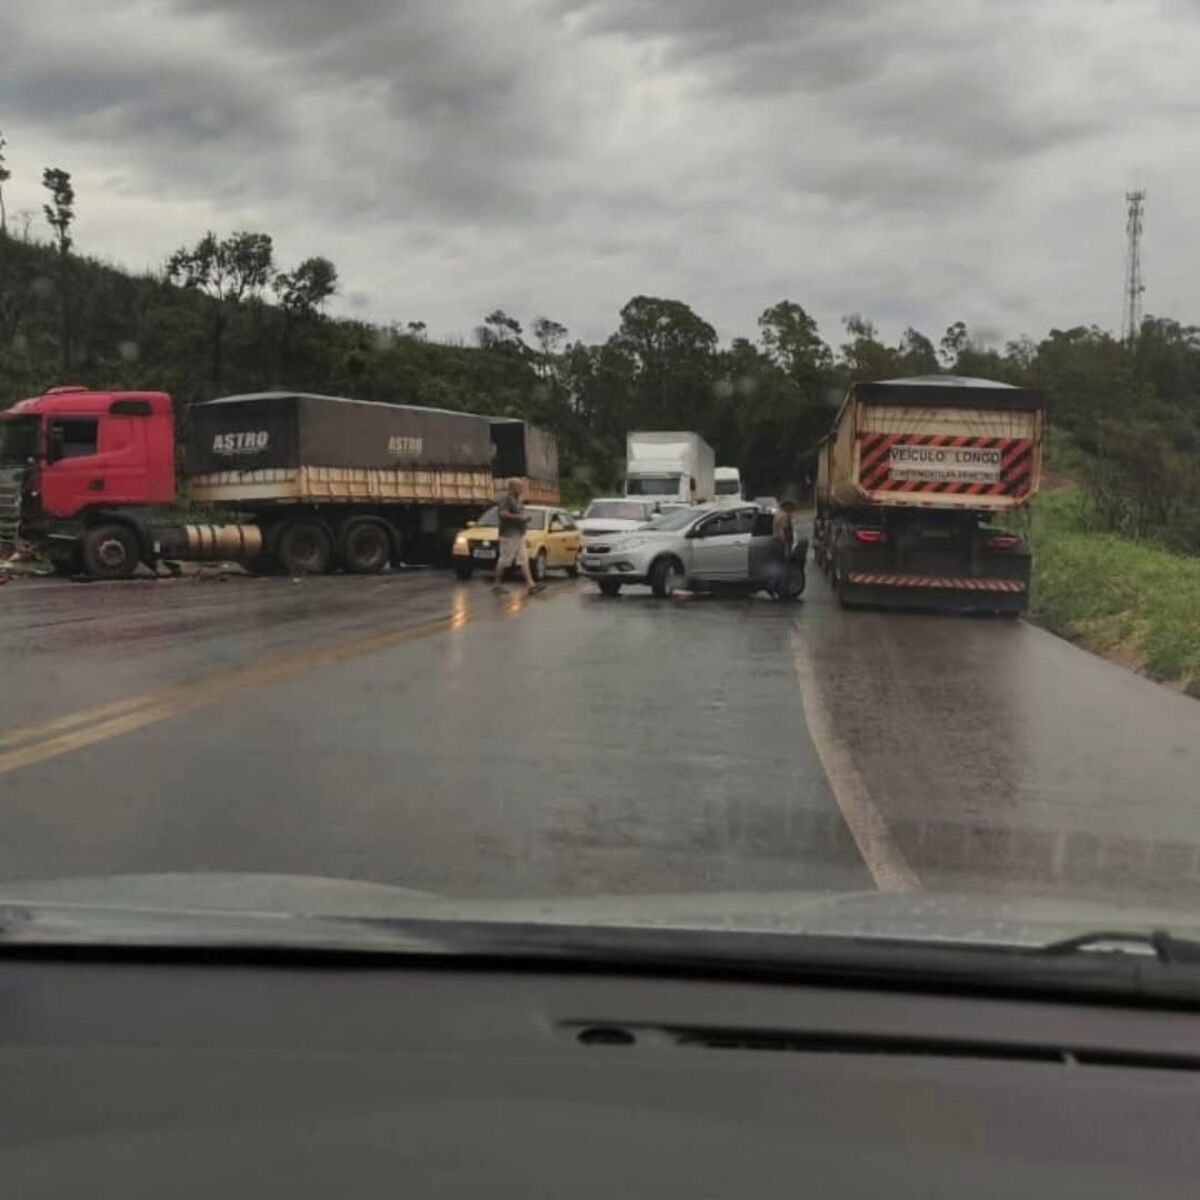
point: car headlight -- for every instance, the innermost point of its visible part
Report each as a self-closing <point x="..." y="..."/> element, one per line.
<point x="630" y="543"/>
<point x="460" y="543"/>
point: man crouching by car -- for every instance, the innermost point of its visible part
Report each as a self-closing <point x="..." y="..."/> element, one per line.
<point x="513" y="519"/>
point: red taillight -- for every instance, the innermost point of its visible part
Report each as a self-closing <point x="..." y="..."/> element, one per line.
<point x="870" y="537"/>
<point x="1003" y="541"/>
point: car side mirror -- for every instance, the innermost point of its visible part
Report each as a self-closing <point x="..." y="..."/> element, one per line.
<point x="54" y="446"/>
<point x="470" y="525"/>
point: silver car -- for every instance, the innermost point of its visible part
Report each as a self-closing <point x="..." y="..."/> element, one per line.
<point x="697" y="549"/>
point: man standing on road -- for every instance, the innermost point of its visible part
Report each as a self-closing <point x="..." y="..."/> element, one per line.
<point x="784" y="532"/>
<point x="513" y="519"/>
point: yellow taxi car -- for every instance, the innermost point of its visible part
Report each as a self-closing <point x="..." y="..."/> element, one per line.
<point x="553" y="542"/>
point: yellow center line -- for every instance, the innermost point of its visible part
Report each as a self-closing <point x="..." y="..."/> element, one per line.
<point x="29" y="733"/>
<point x="61" y="735"/>
<point x="136" y="712"/>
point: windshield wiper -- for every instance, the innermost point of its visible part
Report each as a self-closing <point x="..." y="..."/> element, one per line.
<point x="1165" y="946"/>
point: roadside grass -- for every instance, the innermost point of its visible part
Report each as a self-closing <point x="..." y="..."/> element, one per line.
<point x="1130" y="601"/>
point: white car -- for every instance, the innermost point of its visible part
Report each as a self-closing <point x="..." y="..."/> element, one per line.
<point x="617" y="514"/>
<point x="706" y="548"/>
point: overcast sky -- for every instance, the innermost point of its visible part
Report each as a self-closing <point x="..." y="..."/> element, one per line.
<point x="919" y="161"/>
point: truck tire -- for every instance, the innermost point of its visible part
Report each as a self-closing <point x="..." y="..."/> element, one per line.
<point x="364" y="547"/>
<point x="664" y="578"/>
<point x="609" y="587"/>
<point x="537" y="568"/>
<point x="110" y="552"/>
<point x="464" y="570"/>
<point x="305" y="548"/>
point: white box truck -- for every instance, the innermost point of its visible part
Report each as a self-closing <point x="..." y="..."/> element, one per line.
<point x="669" y="466"/>
<point x="727" y="487"/>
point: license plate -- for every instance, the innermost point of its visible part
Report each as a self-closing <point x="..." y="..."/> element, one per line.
<point x="485" y="552"/>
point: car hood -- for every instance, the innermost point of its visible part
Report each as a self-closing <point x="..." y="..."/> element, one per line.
<point x="231" y="908"/>
<point x="592" y="525"/>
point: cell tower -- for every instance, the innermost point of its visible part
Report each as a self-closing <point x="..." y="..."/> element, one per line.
<point x="1131" y="316"/>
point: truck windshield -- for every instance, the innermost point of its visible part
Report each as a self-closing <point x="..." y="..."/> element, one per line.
<point x="729" y="487"/>
<point x="18" y="440"/>
<point x="652" y="485"/>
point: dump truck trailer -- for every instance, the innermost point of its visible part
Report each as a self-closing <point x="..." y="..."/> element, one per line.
<point x="305" y="483"/>
<point x="913" y="484"/>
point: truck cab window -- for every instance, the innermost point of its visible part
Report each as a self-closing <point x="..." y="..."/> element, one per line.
<point x="77" y="435"/>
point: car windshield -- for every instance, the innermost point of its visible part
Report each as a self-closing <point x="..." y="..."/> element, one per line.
<point x="680" y="518"/>
<point x="652" y="485"/>
<point x="621" y="510"/>
<point x="18" y="440"/>
<point x="293" y="294"/>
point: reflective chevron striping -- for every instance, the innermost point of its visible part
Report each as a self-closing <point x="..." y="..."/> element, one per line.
<point x="943" y="582"/>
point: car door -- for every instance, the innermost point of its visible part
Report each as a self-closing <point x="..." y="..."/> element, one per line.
<point x="721" y="547"/>
<point x="558" y="553"/>
<point x="572" y="539"/>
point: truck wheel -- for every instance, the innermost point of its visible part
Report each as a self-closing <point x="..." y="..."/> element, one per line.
<point x="305" y="548"/>
<point x="365" y="547"/>
<point x="609" y="587"/>
<point x="664" y="579"/>
<point x="537" y="568"/>
<point x="464" y="570"/>
<point x="110" y="552"/>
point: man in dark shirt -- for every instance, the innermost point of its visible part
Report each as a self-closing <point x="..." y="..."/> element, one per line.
<point x="513" y="519"/>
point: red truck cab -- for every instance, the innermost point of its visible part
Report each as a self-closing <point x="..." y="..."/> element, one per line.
<point x="98" y="450"/>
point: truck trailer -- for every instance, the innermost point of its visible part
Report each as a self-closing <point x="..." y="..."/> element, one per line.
<point x="522" y="451"/>
<point x="310" y="483"/>
<point x="911" y="483"/>
<point x="669" y="466"/>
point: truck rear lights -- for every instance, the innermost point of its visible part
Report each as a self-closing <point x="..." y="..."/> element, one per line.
<point x="870" y="537"/>
<point x="1003" y="541"/>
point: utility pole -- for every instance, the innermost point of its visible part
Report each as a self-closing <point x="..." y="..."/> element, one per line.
<point x="1131" y="315"/>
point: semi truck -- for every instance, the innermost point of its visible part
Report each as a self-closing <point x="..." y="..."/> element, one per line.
<point x="306" y="483"/>
<point x="912" y="485"/>
<point x="669" y="466"/>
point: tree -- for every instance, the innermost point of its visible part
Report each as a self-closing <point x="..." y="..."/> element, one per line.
<point x="227" y="271"/>
<point x="864" y="356"/>
<point x="305" y="290"/>
<point x="502" y="333"/>
<point x="955" y="340"/>
<point x="550" y="336"/>
<point x="5" y="176"/>
<point x="789" y="336"/>
<point x="674" y="355"/>
<point x="60" y="213"/>
<point x="917" y="354"/>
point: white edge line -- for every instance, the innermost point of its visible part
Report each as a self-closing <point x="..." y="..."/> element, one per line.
<point x="884" y="859"/>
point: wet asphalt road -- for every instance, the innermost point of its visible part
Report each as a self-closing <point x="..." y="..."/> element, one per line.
<point x="410" y="729"/>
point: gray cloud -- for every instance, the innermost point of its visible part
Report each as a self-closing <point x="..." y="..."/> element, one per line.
<point x="917" y="161"/>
